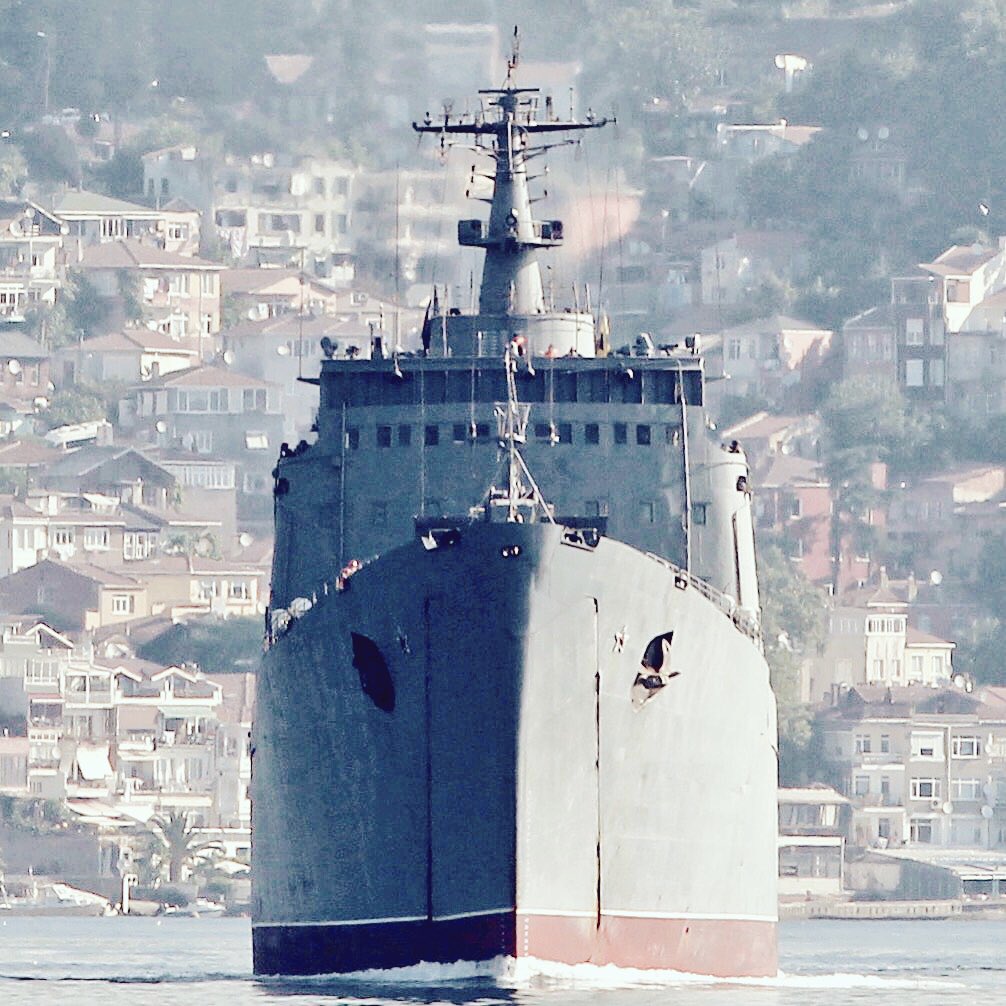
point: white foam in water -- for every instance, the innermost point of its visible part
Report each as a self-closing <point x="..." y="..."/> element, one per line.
<point x="508" y="972"/>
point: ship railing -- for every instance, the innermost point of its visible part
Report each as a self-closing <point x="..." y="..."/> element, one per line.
<point x="743" y="621"/>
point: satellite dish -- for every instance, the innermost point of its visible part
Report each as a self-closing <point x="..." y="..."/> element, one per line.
<point x="161" y="426"/>
<point x="863" y="134"/>
<point x="283" y="350"/>
<point x="883" y="133"/>
<point x="14" y="366"/>
<point x="959" y="680"/>
<point x="936" y="578"/>
<point x="245" y="539"/>
<point x="948" y="808"/>
<point x="987" y="812"/>
<point x="228" y="356"/>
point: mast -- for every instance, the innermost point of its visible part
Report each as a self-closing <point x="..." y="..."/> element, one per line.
<point x="506" y="130"/>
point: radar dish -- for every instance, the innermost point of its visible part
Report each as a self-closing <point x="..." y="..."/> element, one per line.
<point x="936" y="578"/>
<point x="14" y="366"/>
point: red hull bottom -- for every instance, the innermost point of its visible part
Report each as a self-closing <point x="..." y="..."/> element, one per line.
<point x="722" y="947"/>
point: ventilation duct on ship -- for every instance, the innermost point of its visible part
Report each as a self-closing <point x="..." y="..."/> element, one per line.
<point x="375" y="678"/>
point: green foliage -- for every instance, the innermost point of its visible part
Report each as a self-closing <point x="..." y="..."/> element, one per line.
<point x="51" y="155"/>
<point x="181" y="842"/>
<point x="122" y="176"/>
<point x="68" y="406"/>
<point x="217" y="646"/>
<point x="794" y="622"/>
<point x="86" y="310"/>
<point x="129" y="290"/>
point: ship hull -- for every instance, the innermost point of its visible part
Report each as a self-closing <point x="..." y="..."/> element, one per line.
<point x="498" y="783"/>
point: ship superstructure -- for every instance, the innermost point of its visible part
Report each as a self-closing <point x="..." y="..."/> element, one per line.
<point x="514" y="701"/>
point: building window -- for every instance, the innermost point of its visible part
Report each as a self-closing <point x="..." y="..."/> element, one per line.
<point x="795" y="507"/>
<point x="861" y="785"/>
<point x="885" y="743"/>
<point x="592" y="433"/>
<point x="257" y="441"/>
<point x="123" y="604"/>
<point x="96" y="538"/>
<point x="239" y="590"/>
<point x="966" y="789"/>
<point x="621" y="433"/>
<point x="383" y="436"/>
<point x="927" y="745"/>
<point x="921" y="830"/>
<point x="404" y="435"/>
<point x="319" y="223"/>
<point x="884" y="827"/>
<point x="925" y="789"/>
<point x="432" y="436"/>
<point x="699" y="513"/>
<point x="914" y="330"/>
<point x="965" y="747"/>
<point x="863" y="744"/>
<point x="914" y="373"/>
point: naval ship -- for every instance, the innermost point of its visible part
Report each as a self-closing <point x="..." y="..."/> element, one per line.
<point x="513" y="701"/>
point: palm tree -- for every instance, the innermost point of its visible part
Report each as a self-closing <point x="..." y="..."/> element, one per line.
<point x="182" y="842"/>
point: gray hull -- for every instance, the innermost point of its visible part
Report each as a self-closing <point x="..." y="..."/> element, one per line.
<point x="496" y="781"/>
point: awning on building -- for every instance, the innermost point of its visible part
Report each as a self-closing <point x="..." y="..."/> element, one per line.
<point x="92" y="760"/>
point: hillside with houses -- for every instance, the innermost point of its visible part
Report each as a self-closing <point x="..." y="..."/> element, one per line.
<point x="178" y="238"/>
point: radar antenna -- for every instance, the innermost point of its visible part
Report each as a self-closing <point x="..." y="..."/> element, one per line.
<point x="511" y="63"/>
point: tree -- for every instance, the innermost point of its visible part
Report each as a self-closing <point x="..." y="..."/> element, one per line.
<point x="69" y="406"/>
<point x="793" y="626"/>
<point x="181" y="843"/>
<point x="217" y="646"/>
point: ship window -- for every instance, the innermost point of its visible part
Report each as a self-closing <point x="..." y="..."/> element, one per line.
<point x="459" y="386"/>
<point x="383" y="436"/>
<point x="565" y="432"/>
<point x="672" y="434"/>
<point x="663" y="388"/>
<point x="375" y="678"/>
<point x="432" y="436"/>
<point x="593" y="386"/>
<point x="564" y="388"/>
<point x="596" y="508"/>
<point x="482" y="432"/>
<point x="352" y="437"/>
<point x="631" y="388"/>
<point x="699" y="513"/>
<point x="459" y="433"/>
<point x="692" y="387"/>
<point x="543" y="431"/>
<point x="643" y="435"/>
<point x="404" y="435"/>
<point x="592" y="433"/>
<point x="646" y="511"/>
<point x="621" y="433"/>
<point x="435" y="386"/>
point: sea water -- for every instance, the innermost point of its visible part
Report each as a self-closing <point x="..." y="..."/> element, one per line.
<point x="198" y="962"/>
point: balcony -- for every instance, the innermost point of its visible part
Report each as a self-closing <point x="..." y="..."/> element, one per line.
<point x="880" y="800"/>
